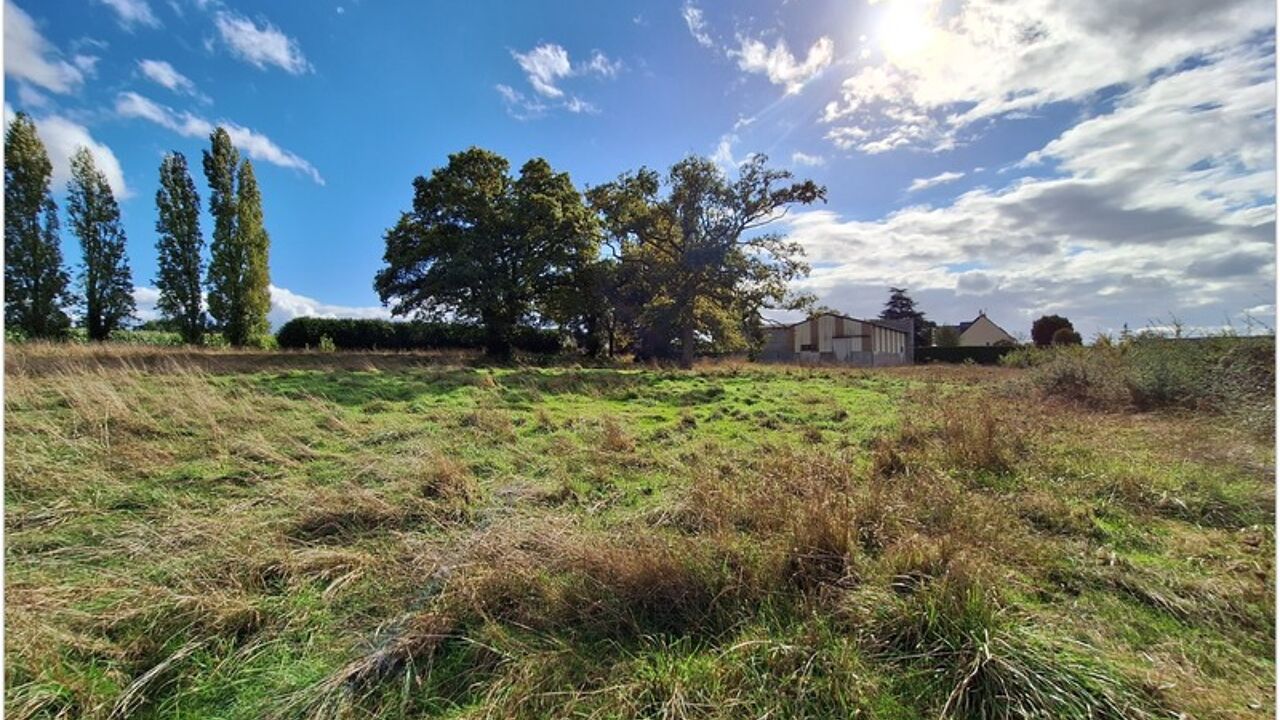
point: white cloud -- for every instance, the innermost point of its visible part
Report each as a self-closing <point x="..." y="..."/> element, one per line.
<point x="61" y="138"/>
<point x="949" y="65"/>
<point x="260" y="46"/>
<point x="250" y="142"/>
<point x="1166" y="203"/>
<point x="697" y="24"/>
<point x="939" y="179"/>
<point x="130" y="13"/>
<point x="799" y="158"/>
<point x="780" y="66"/>
<point x="285" y="306"/>
<point x="164" y="74"/>
<point x="545" y="66"/>
<point x="29" y="56"/>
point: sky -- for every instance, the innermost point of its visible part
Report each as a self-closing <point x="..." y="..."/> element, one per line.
<point x="1112" y="161"/>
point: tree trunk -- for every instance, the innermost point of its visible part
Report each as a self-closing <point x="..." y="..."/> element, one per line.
<point x="686" y="343"/>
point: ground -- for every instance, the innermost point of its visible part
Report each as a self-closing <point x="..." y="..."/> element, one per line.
<point x="240" y="535"/>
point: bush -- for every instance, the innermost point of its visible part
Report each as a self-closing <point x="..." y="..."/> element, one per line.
<point x="358" y="334"/>
<point x="1066" y="336"/>
<point x="982" y="355"/>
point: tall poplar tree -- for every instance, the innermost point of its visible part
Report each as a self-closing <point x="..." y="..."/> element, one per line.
<point x="251" y="235"/>
<point x="239" y="293"/>
<point x="95" y="219"/>
<point x="178" y="249"/>
<point x="34" y="277"/>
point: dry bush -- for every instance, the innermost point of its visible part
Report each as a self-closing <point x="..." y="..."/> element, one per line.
<point x="615" y="438"/>
<point x="445" y="478"/>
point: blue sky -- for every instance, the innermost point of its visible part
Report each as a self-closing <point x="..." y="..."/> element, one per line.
<point x="1110" y="161"/>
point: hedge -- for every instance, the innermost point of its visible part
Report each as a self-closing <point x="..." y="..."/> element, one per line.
<point x="356" y="334"/>
<point x="982" y="355"/>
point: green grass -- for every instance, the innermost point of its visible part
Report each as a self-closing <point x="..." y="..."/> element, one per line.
<point x="368" y="535"/>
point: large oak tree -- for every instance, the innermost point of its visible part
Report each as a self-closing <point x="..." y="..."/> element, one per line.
<point x="484" y="246"/>
<point x="695" y="261"/>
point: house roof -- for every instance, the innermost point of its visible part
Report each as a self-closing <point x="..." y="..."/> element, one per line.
<point x="981" y="316"/>
<point x="877" y="323"/>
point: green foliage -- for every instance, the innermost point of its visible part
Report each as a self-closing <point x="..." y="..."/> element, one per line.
<point x="358" y="334"/>
<point x="179" y="248"/>
<point x="980" y="355"/>
<point x="945" y="336"/>
<point x="900" y="306"/>
<point x="34" y="277"/>
<point x="482" y="246"/>
<point x="1043" y="329"/>
<point x="95" y="219"/>
<point x="238" y="277"/>
<point x="1066" y="336"/>
<point x="326" y="344"/>
<point x="693" y="264"/>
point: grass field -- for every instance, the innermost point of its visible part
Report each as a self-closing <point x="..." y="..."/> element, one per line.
<point x="209" y="534"/>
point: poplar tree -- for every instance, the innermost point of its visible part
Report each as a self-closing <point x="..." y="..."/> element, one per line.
<point x="95" y="220"/>
<point x="178" y="249"/>
<point x="34" y="277"/>
<point x="252" y="235"/>
<point x="237" y="278"/>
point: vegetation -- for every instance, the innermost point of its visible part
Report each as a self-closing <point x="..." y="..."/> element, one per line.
<point x="35" y="281"/>
<point x="351" y="334"/>
<point x="480" y="245"/>
<point x="180" y="250"/>
<point x="1045" y="327"/>
<point x="900" y="306"/>
<point x="334" y="534"/>
<point x="239" y="296"/>
<point x="695" y="262"/>
<point x="105" y="280"/>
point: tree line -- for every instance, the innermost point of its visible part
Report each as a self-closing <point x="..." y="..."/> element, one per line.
<point x="660" y="265"/>
<point x="39" y="290"/>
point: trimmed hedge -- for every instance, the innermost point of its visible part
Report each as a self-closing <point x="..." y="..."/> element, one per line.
<point x="982" y="355"/>
<point x="356" y="334"/>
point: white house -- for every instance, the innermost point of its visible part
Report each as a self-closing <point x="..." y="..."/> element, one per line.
<point x="980" y="331"/>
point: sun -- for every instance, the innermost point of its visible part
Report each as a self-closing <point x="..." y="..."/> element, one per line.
<point x="905" y="30"/>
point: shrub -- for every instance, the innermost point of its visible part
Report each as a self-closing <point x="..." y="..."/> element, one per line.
<point x="366" y="334"/>
<point x="1066" y="336"/>
<point x="981" y="355"/>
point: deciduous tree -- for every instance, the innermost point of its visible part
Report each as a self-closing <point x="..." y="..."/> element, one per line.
<point x="238" y="277"/>
<point x="95" y="219"/>
<point x="694" y="259"/>
<point x="481" y="245"/>
<point x="1043" y="329"/>
<point x="179" y="249"/>
<point x="34" y="277"/>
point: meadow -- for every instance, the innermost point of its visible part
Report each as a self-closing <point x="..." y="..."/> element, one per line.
<point x="223" y="534"/>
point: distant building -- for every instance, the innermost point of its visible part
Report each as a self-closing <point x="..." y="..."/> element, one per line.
<point x="979" y="332"/>
<point x="832" y="338"/>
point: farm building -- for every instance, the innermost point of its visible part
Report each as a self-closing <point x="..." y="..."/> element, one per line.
<point x="832" y="338"/>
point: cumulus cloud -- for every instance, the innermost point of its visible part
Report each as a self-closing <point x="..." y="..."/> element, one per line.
<point x="780" y="66"/>
<point x="697" y="24"/>
<point x="28" y="56"/>
<point x="545" y="66"/>
<point x="62" y="137"/>
<point x="939" y="179"/>
<point x="799" y="158"/>
<point x="285" y="306"/>
<point x="164" y="74"/>
<point x="1165" y="203"/>
<point x="252" y="143"/>
<point x="948" y="66"/>
<point x="260" y="46"/>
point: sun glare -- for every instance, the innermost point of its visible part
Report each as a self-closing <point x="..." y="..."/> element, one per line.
<point x="905" y="29"/>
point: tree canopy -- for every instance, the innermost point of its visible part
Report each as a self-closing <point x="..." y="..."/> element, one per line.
<point x="105" y="279"/>
<point x="1043" y="329"/>
<point x="35" y="279"/>
<point x="238" y="277"/>
<point x="179" y="248"/>
<point x="482" y="245"/>
<point x="901" y="306"/>
<point x="694" y="262"/>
